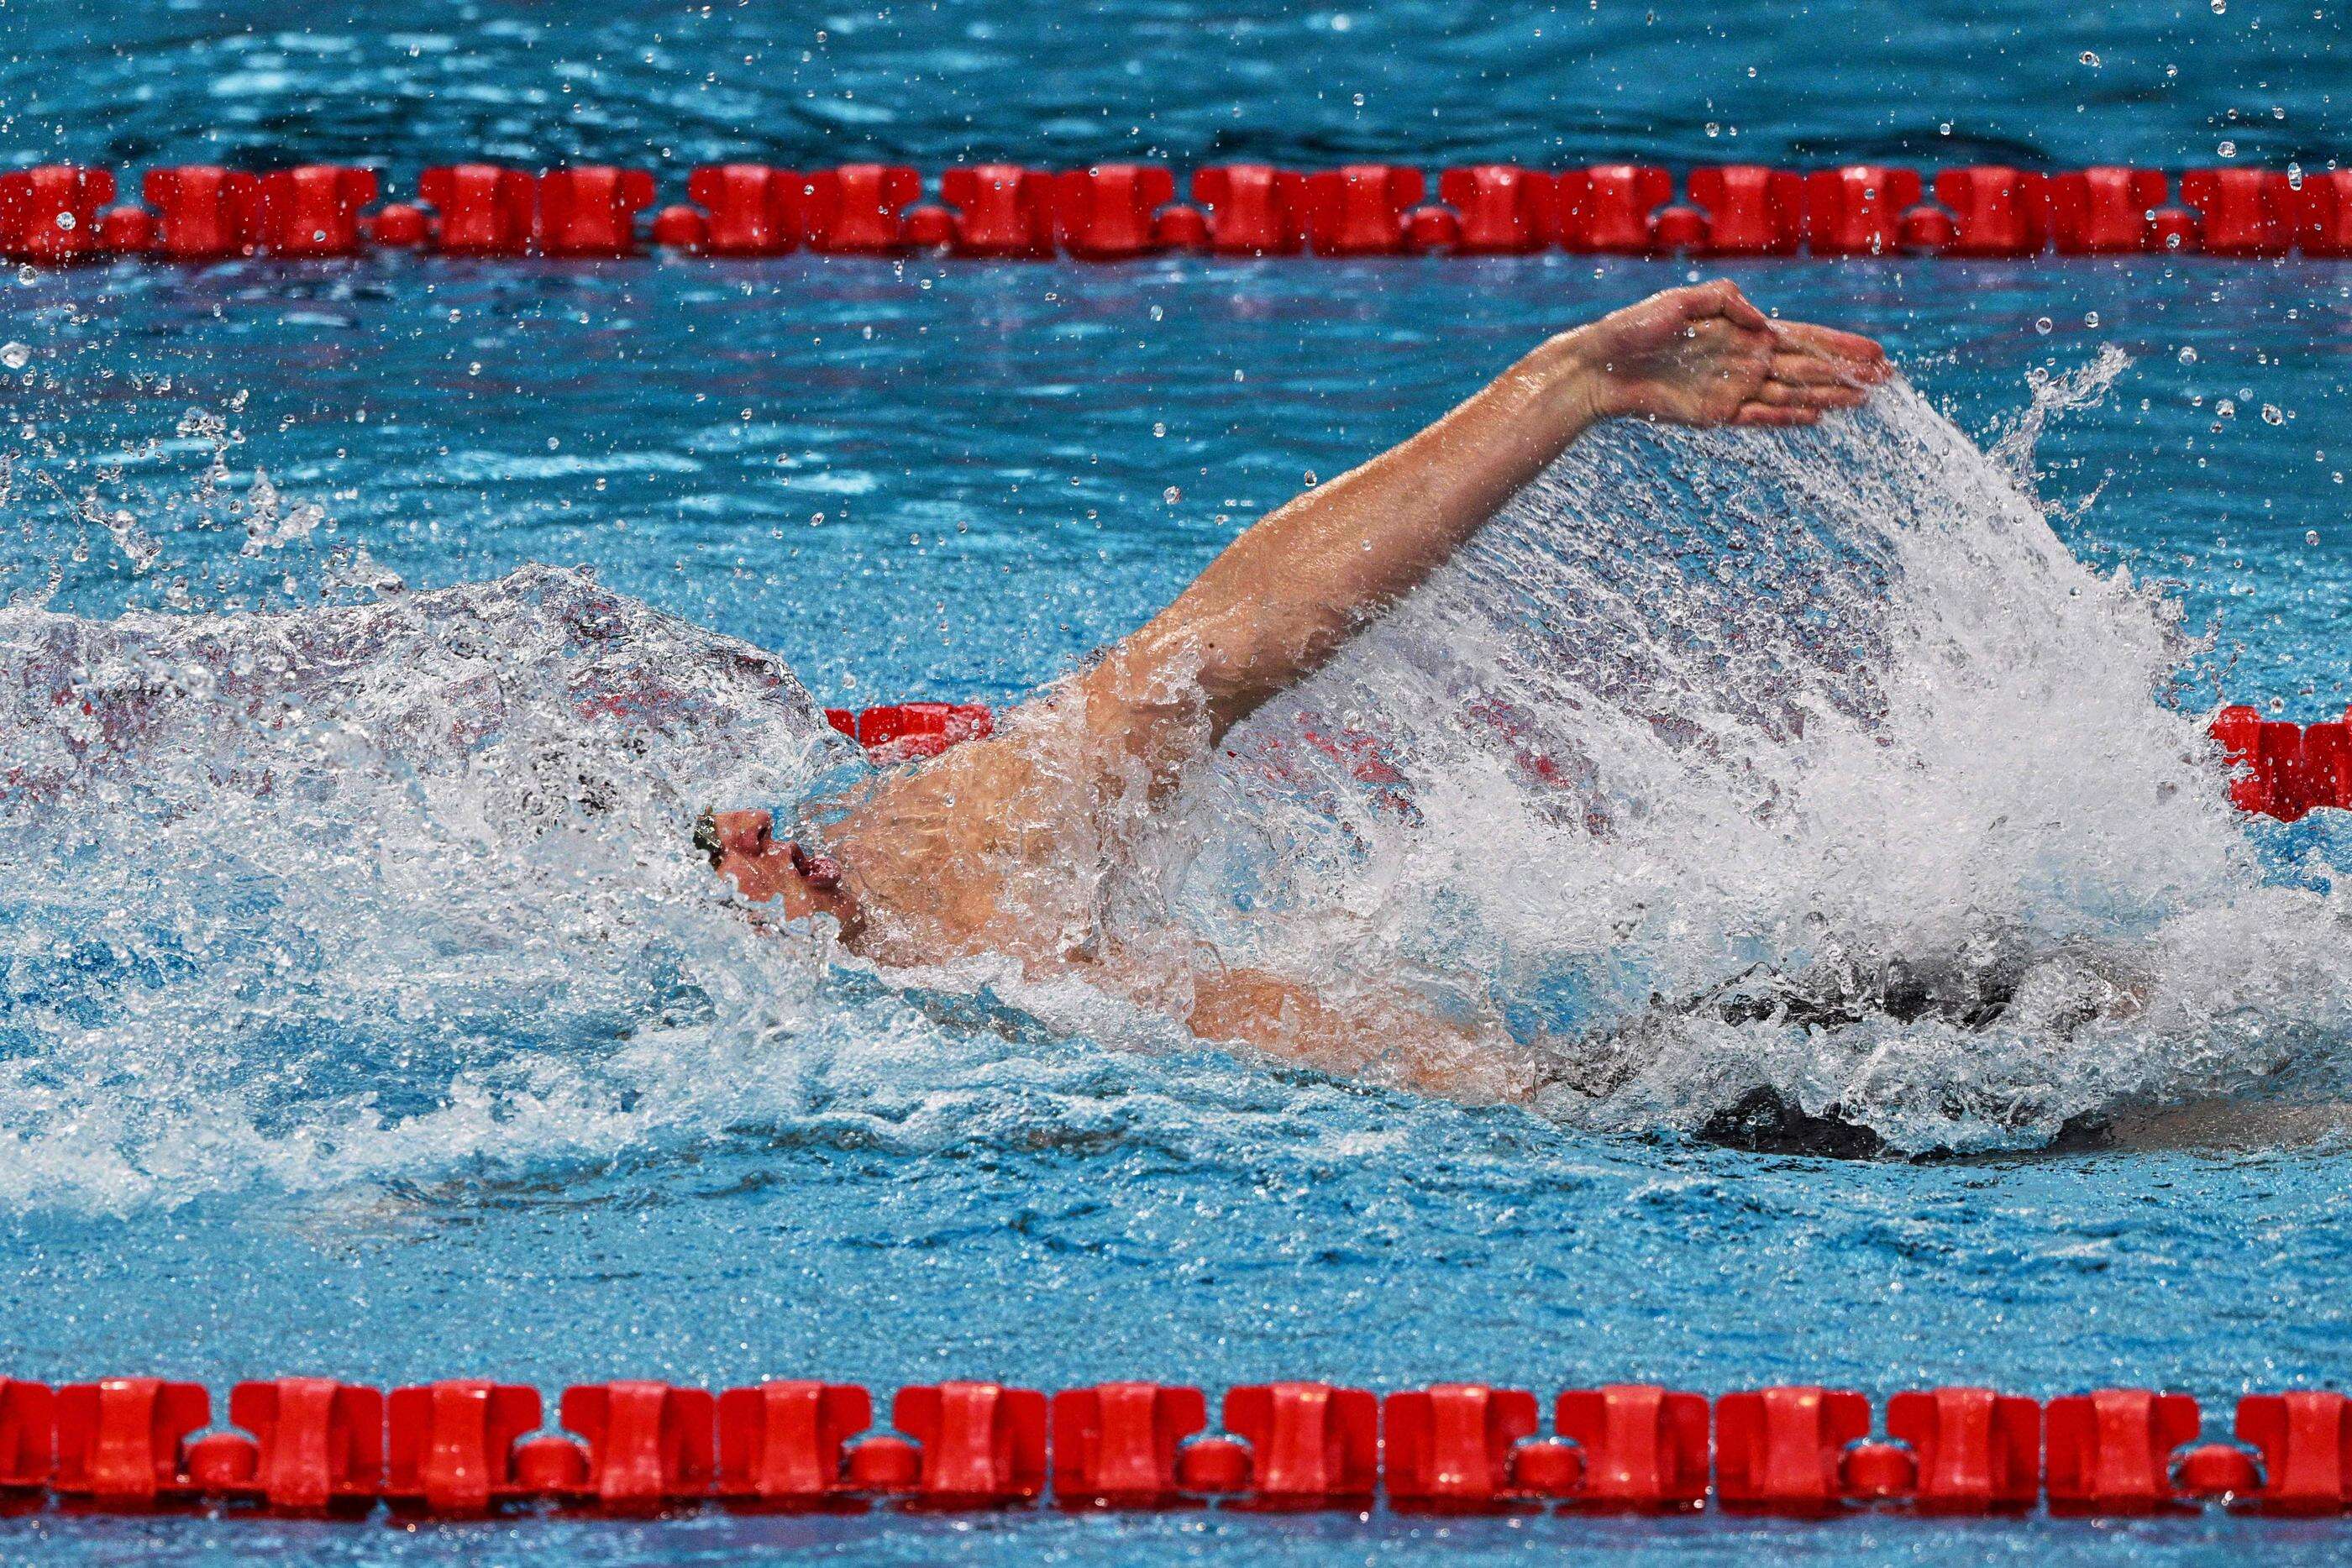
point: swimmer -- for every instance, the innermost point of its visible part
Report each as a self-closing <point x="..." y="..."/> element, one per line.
<point x="1008" y="845"/>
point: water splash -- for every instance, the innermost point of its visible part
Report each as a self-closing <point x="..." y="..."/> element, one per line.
<point x="394" y="891"/>
<point x="1701" y="704"/>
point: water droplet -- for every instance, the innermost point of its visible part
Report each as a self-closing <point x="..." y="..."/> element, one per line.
<point x="2225" y="408"/>
<point x="1158" y="427"/>
<point x="1357" y="100"/>
<point x="2188" y="356"/>
<point x="2278" y="705"/>
<point x="1158" y="314"/>
<point x="16" y="356"/>
<point x="1311" y="480"/>
<point x="64" y="220"/>
<point x="28" y="275"/>
<point x="2311" y="536"/>
<point x="2089" y="59"/>
<point x="2227" y="149"/>
<point x="2272" y="415"/>
<point x="1713" y="128"/>
<point x="1171" y="494"/>
<point x="2042" y="324"/>
<point x="2090" y="318"/>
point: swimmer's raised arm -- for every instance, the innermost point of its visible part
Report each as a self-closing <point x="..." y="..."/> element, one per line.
<point x="1289" y="591"/>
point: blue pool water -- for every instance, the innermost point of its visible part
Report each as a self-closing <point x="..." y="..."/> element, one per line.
<point x="352" y="1041"/>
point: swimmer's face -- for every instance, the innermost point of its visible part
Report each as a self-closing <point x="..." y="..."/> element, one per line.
<point x="746" y="850"/>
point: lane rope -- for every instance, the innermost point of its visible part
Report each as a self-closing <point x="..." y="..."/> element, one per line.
<point x="1113" y="212"/>
<point x="468" y="1447"/>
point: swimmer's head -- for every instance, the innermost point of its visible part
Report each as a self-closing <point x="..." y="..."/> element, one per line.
<point x="742" y="846"/>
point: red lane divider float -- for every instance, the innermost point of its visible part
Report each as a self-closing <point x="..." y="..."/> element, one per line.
<point x="1112" y="212"/>
<point x="310" y="1446"/>
<point x="2278" y="769"/>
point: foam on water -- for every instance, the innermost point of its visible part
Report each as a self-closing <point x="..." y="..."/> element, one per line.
<point x="398" y="891"/>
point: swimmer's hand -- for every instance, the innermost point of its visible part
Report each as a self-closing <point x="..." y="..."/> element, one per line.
<point x="1704" y="355"/>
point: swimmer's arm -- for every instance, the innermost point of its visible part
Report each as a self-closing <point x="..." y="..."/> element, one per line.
<point x="1370" y="1030"/>
<point x="1296" y="585"/>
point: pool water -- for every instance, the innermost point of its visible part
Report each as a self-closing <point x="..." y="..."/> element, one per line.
<point x="353" y="1042"/>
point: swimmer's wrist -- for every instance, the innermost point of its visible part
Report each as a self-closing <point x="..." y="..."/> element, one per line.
<point x="1575" y="390"/>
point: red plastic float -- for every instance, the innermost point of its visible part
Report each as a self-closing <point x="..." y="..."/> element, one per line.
<point x="451" y="1449"/>
<point x="1311" y="1445"/>
<point x="312" y="211"/>
<point x="1645" y="1447"/>
<point x="1783" y="1450"/>
<point x="120" y="1441"/>
<point x="1000" y="210"/>
<point x="785" y="1444"/>
<point x="1750" y="209"/>
<point x="1359" y="209"/>
<point x="204" y="213"/>
<point x="2105" y="210"/>
<point x="1117" y="1445"/>
<point x="1607" y="208"/>
<point x="1105" y="212"/>
<point x="855" y="209"/>
<point x="28" y="1435"/>
<point x="2111" y="1452"/>
<point x="50" y="214"/>
<point x="1504" y="210"/>
<point x="1254" y="209"/>
<point x="482" y="209"/>
<point x="749" y="209"/>
<point x="2323" y="221"/>
<point x="2241" y="212"/>
<point x="1978" y="1451"/>
<point x="591" y="210"/>
<point x="2304" y="1439"/>
<point x="648" y="1444"/>
<point x="1855" y="210"/>
<point x="982" y="1443"/>
<point x="1996" y="210"/>
<point x="1449" y="1448"/>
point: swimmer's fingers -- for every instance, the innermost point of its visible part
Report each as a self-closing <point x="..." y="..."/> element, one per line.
<point x="1820" y="396"/>
<point x="1722" y="298"/>
<point x="1812" y="370"/>
<point x="1862" y="355"/>
<point x="1774" y="415"/>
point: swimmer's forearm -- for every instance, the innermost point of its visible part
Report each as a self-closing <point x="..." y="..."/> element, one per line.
<point x="1294" y="586"/>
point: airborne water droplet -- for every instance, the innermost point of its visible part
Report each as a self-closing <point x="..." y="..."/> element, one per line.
<point x="16" y="356"/>
<point x="2042" y="324"/>
<point x="2272" y="415"/>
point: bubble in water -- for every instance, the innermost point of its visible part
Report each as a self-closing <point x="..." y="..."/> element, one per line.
<point x="16" y="356"/>
<point x="2271" y="414"/>
<point x="2043" y="324"/>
